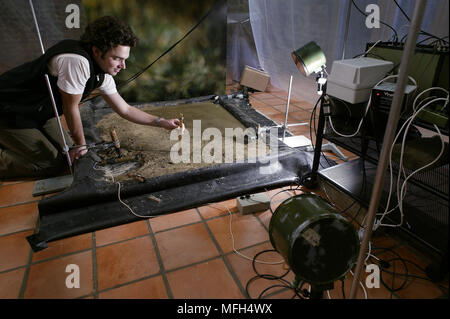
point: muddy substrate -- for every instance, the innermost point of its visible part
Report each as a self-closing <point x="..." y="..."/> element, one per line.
<point x="211" y="136"/>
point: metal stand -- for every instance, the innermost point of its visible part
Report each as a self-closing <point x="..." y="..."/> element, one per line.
<point x="316" y="290"/>
<point x="285" y="126"/>
<point x="311" y="180"/>
<point x="55" y="109"/>
<point x="389" y="135"/>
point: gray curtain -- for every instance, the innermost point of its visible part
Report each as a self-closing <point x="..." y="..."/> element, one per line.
<point x="281" y="26"/>
<point x="19" y="40"/>
<point x="241" y="50"/>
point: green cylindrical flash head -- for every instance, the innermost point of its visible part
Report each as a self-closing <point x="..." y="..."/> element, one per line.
<point x="309" y="58"/>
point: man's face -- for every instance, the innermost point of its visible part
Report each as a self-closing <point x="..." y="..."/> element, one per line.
<point x="113" y="60"/>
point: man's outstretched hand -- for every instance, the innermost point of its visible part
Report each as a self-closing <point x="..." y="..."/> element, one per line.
<point x="169" y="124"/>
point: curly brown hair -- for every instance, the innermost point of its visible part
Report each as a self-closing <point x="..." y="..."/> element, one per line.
<point x="108" y="32"/>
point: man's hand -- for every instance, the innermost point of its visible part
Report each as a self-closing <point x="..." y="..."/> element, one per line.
<point x="73" y="120"/>
<point x="130" y="113"/>
<point x="169" y="124"/>
<point x="76" y="153"/>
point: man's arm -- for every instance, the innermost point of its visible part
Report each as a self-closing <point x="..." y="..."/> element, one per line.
<point x="73" y="119"/>
<point x="130" y="113"/>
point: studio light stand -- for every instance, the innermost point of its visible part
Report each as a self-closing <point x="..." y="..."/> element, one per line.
<point x="291" y="141"/>
<point x="285" y="126"/>
<point x="317" y="291"/>
<point x="311" y="59"/>
<point x="324" y="110"/>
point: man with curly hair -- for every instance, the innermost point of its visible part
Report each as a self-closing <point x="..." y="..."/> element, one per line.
<point x="30" y="142"/>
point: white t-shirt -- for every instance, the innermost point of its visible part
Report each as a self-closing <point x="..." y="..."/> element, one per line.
<point x="73" y="72"/>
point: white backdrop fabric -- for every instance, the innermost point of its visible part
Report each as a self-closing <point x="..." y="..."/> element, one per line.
<point x="282" y="26"/>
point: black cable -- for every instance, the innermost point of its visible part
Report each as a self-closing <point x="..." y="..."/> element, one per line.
<point x="312" y="126"/>
<point x="393" y="281"/>
<point x="364" y="182"/>
<point x="311" y="122"/>
<point x="135" y="76"/>
<point x="296" y="291"/>
<point x="403" y="38"/>
<point x="401" y="9"/>
<point x="392" y="289"/>
<point x="383" y="264"/>
<point x="265" y="276"/>
<point x="432" y="37"/>
<point x="270" y="203"/>
<point x="285" y="283"/>
<point x="315" y="132"/>
<point x="421" y="31"/>
<point x="260" y="296"/>
<point x="363" y="13"/>
<point x="441" y="41"/>
<point x="426" y="39"/>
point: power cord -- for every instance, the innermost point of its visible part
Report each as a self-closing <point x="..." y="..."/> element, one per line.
<point x="401" y="191"/>
<point x="298" y="291"/>
<point x="110" y="173"/>
<point x="233" y="241"/>
<point x="367" y="108"/>
<point x="282" y="191"/>
<point x="386" y="264"/>
<point x="312" y="128"/>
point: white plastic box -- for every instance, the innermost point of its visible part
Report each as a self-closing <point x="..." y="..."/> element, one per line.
<point x="352" y="80"/>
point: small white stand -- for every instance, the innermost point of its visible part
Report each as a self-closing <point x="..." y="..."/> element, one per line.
<point x="299" y="141"/>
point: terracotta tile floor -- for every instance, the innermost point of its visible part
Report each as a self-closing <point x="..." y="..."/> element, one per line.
<point x="188" y="254"/>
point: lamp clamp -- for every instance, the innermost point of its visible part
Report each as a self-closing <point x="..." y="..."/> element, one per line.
<point x="321" y="80"/>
